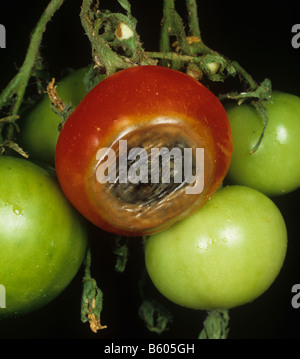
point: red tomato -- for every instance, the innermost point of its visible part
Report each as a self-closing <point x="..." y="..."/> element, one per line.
<point x="149" y="107"/>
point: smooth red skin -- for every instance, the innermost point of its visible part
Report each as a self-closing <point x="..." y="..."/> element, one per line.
<point x="129" y="97"/>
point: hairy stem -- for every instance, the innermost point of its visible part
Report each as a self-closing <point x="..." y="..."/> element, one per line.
<point x="164" y="44"/>
<point x="194" y="29"/>
<point x="18" y="84"/>
<point x="111" y="61"/>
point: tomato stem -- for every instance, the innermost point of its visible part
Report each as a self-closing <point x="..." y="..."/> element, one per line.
<point x="13" y="94"/>
<point x="106" y="46"/>
<point x="113" y="51"/>
<point x="193" y="20"/>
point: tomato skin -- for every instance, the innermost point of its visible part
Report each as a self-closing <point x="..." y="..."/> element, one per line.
<point x="39" y="123"/>
<point x="43" y="239"/>
<point x="135" y="98"/>
<point x="225" y="255"/>
<point x="274" y="168"/>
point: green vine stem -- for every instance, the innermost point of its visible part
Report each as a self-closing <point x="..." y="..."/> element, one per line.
<point x="15" y="90"/>
<point x="191" y="50"/>
<point x="116" y="45"/>
<point x="193" y="21"/>
<point x="119" y="31"/>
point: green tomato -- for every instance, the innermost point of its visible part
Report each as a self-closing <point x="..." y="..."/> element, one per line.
<point x="274" y="168"/>
<point x="225" y="255"/>
<point x="39" y="124"/>
<point x="42" y="238"/>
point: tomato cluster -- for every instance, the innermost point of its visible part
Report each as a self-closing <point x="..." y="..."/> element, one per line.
<point x="217" y="247"/>
<point x="198" y="253"/>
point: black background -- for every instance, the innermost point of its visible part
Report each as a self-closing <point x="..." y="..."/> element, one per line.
<point x="257" y="35"/>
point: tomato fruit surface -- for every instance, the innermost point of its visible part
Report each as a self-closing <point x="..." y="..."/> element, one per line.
<point x="42" y="238"/>
<point x="274" y="168"/>
<point x="148" y="107"/>
<point x="39" y="123"/>
<point x="226" y="254"/>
